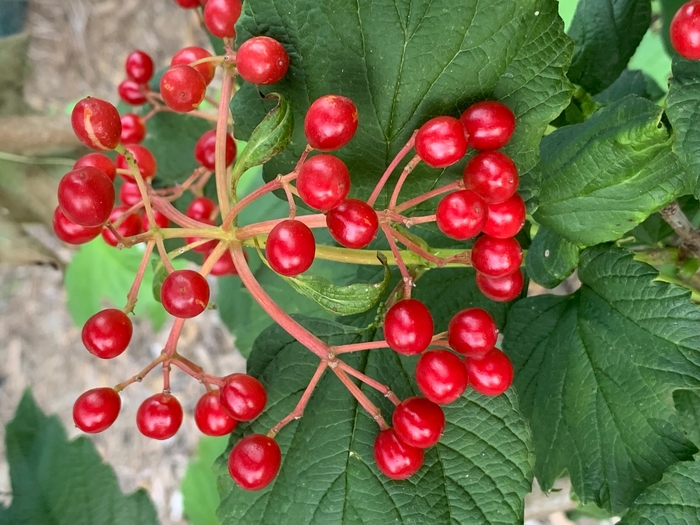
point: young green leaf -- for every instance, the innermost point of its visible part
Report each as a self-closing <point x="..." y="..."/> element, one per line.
<point x="550" y="258"/>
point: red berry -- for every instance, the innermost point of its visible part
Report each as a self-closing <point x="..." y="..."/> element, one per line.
<point x="395" y="458"/>
<point x="243" y="396"/>
<point x="184" y="294"/>
<point x="190" y="54"/>
<point x="182" y="88"/>
<point x="130" y="225"/>
<point x="492" y="175"/>
<point x="133" y="129"/>
<point x="161" y="221"/>
<point x="290" y="248"/>
<point x="472" y="332"/>
<point x="224" y="265"/>
<point x="139" y="66"/>
<point x="188" y="4"/>
<point x="408" y="327"/>
<point x="205" y="150"/>
<point x="440" y="142"/>
<point x="441" y="376"/>
<point x="330" y="122"/>
<point x="418" y="422"/>
<point x="70" y="232"/>
<point x="210" y="416"/>
<point x="159" y="416"/>
<point x="131" y="92"/>
<point x="201" y="209"/>
<point x="496" y="257"/>
<point x="96" y="123"/>
<point x="220" y="17"/>
<point x="685" y="30"/>
<point x="254" y="461"/>
<point x="107" y="333"/>
<point x="204" y="247"/>
<point x="353" y="223"/>
<point x="501" y="289"/>
<point x="262" y="60"/>
<point x="461" y="215"/>
<point x="100" y="161"/>
<point x="129" y="193"/>
<point x="96" y="409"/>
<point x="489" y="125"/>
<point x="86" y="196"/>
<point x="506" y="218"/>
<point x="491" y="374"/>
<point x="145" y="161"/>
<point x="323" y="182"/>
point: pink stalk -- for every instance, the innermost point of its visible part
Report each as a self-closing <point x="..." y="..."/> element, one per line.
<point x="385" y="177"/>
<point x="246" y="232"/>
<point x="381" y="387"/>
<point x="408" y="243"/>
<point x="221" y="131"/>
<point x="407" y="280"/>
<point x="361" y="398"/>
<point x="402" y="179"/>
<point x="452" y="186"/>
<point x="132" y="296"/>
<point x="358" y="347"/>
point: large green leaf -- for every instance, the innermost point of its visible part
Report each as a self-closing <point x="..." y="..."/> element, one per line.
<point x="477" y="474"/>
<point x="596" y="371"/>
<point x="57" y="482"/>
<point x="550" y="258"/>
<point x="600" y="178"/>
<point x="688" y="405"/>
<point x="404" y="62"/>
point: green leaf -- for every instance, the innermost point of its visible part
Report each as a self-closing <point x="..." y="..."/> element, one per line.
<point x="57" y="482"/>
<point x="630" y="82"/>
<point x="688" y="405"/>
<point x="199" y="491"/>
<point x="654" y="229"/>
<point x="652" y="59"/>
<point x="375" y="53"/>
<point x="159" y="275"/>
<point x="668" y="9"/>
<point x="673" y="500"/>
<point x="600" y="178"/>
<point x="477" y="474"/>
<point x="99" y="274"/>
<point x="602" y="50"/>
<point x="596" y="371"/>
<point x="550" y="258"/>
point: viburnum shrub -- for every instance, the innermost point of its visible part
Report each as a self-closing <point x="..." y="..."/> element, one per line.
<point x="430" y="159"/>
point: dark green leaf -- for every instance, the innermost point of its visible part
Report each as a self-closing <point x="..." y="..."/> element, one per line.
<point x="199" y="492"/>
<point x="654" y="229"/>
<point x="550" y="258"/>
<point x="596" y="371"/>
<point x="688" y="405"/>
<point x="601" y="178"/>
<point x="668" y="9"/>
<point x="630" y="82"/>
<point x="57" y="482"/>
<point x="477" y="474"/>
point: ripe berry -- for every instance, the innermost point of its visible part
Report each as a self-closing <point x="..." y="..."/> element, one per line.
<point x="205" y="150"/>
<point x="204" y="247"/>
<point x="96" y="123"/>
<point x="506" y="218"/>
<point x="133" y="129"/>
<point x="461" y="215"/>
<point x="408" y="327"/>
<point x="262" y="60"/>
<point x="107" y="333"/>
<point x="130" y="225"/>
<point x="418" y="422"/>
<point x="224" y="266"/>
<point x="496" y="257"/>
<point x="395" y="458"/>
<point x="161" y="221"/>
<point x="201" y="209"/>
<point x="254" y="461"/>
<point x="182" y="88"/>
<point x="330" y="122"/>
<point x="190" y="54"/>
<point x="100" y="161"/>
<point x="129" y="193"/>
<point x="323" y="182"/>
<point x="441" y="376"/>
<point x="492" y="175"/>
<point x="184" y="294"/>
<point x="139" y="66"/>
<point x="70" y="232"/>
<point x="685" y="30"/>
<point x="220" y="17"/>
<point x="501" y="289"/>
<point x="131" y="92"/>
<point x="353" y="223"/>
<point x="188" y="4"/>
<point x="440" y="142"/>
<point x="210" y="416"/>
<point x="489" y="125"/>
<point x="243" y="396"/>
<point x="86" y="196"/>
<point x="290" y="248"/>
<point x="159" y="416"/>
<point x="96" y="409"/>
<point x="472" y="332"/>
<point x="491" y="374"/>
<point x="145" y="161"/>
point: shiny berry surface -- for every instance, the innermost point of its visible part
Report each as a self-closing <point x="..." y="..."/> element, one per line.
<point x="133" y="129"/>
<point x="243" y="397"/>
<point x="220" y="17"/>
<point x="501" y="289"/>
<point x="506" y="218"/>
<point x="96" y="123"/>
<point x="290" y="248"/>
<point x="395" y="458"/>
<point x="254" y="461"/>
<point x="159" y="416"/>
<point x="86" y="196"/>
<point x="323" y="182"/>
<point x="408" y="327"/>
<point x="145" y="161"/>
<point x="211" y="418"/>
<point x="72" y="233"/>
<point x="96" y="409"/>
<point x="129" y="193"/>
<point x="130" y="225"/>
<point x="441" y="376"/>
<point x="489" y="125"/>
<point x="472" y="332"/>
<point x="496" y="257"/>
<point x="461" y="215"/>
<point x="262" y="60"/>
<point x="224" y="265"/>
<point x="205" y="150"/>
<point x="440" y="142"/>
<point x="100" y="161"/>
<point x="201" y="209"/>
<point x="131" y="92"/>
<point x="182" y="88"/>
<point x="492" y="175"/>
<point x="188" y="4"/>
<point x="353" y="223"/>
<point x="184" y="294"/>
<point x="107" y="333"/>
<point x="330" y="122"/>
<point x="139" y="66"/>
<point x="419" y="422"/>
<point x="190" y="54"/>
<point x="685" y="30"/>
<point x="491" y="374"/>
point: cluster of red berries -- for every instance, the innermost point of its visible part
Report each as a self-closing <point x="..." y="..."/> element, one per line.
<point x="685" y="30"/>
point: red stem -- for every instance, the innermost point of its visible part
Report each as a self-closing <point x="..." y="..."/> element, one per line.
<point x="408" y="243"/>
<point x="385" y="177"/>
<point x="221" y="131"/>
<point x="246" y="232"/>
<point x="405" y="274"/>
<point x="143" y="373"/>
<point x="361" y="398"/>
<point x="402" y="179"/>
<point x="452" y="186"/>
<point x="358" y="347"/>
<point x="381" y="387"/>
<point x="132" y="296"/>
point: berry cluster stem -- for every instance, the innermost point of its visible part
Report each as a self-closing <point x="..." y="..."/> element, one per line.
<point x="361" y="398"/>
<point x="132" y="296"/>
<point x="390" y="169"/>
<point x="221" y="131"/>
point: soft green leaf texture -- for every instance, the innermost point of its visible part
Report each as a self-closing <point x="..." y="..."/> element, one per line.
<point x="600" y="178"/>
<point x="404" y="62"/>
<point x="100" y="274"/>
<point x="596" y="371"/>
<point x="550" y="258"/>
<point x="477" y="474"/>
<point x="672" y="501"/>
<point x="630" y="82"/>
<point x="57" y="482"/>
<point x="688" y="405"/>
<point x="199" y="491"/>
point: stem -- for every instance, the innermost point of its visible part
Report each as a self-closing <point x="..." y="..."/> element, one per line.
<point x="416" y="249"/>
<point x="405" y="274"/>
<point x="246" y="232"/>
<point x="164" y="254"/>
<point x="212" y="258"/>
<point x="266" y="188"/>
<point x="385" y="177"/>
<point x="143" y="373"/>
<point x="689" y="236"/>
<point x="361" y="398"/>
<point x="132" y="296"/>
<point x="136" y="173"/>
<point x="452" y="186"/>
<point x="171" y="344"/>
<point x="381" y="387"/>
<point x="221" y="132"/>
<point x="358" y="347"/>
<point x="195" y="371"/>
<point x="166" y="377"/>
<point x="167" y="209"/>
<point x="290" y="199"/>
<point x="402" y="178"/>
